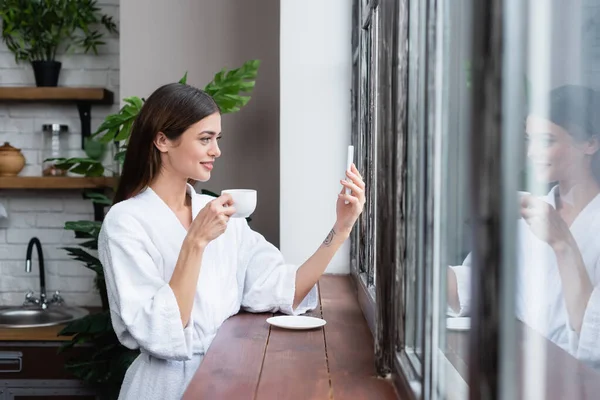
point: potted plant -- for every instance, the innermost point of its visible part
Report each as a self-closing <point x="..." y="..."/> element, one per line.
<point x="36" y="30"/>
<point x="104" y="369"/>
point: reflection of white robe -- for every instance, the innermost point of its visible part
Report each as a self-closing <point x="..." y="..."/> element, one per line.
<point x="139" y="245"/>
<point x="540" y="302"/>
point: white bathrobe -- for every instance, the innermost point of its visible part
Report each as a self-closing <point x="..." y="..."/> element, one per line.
<point x="138" y="246"/>
<point x="540" y="302"/>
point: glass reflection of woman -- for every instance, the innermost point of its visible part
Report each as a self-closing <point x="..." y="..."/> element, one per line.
<point x="558" y="291"/>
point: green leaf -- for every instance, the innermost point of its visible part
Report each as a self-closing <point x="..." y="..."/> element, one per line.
<point x="77" y="326"/>
<point x="77" y="339"/>
<point x="135" y="101"/>
<point x="90" y="244"/>
<point x="183" y="80"/>
<point x="94" y="149"/>
<point x="109" y="136"/>
<point x="82" y="255"/>
<point x="128" y="111"/>
<point x="90" y="324"/>
<point x="91" y="228"/>
<point x="125" y="131"/>
<point x="99" y="322"/>
<point x="80" y="169"/>
<point x="82" y="166"/>
<point x="95" y="170"/>
<point x="120" y="156"/>
<point x="227" y="86"/>
<point x="98" y="198"/>
<point x="111" y="121"/>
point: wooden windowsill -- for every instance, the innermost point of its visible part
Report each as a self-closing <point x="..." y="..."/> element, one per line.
<point x="248" y="359"/>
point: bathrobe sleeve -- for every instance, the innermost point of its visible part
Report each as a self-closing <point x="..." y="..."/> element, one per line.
<point x="269" y="283"/>
<point x="143" y="308"/>
<point x="586" y="345"/>
<point x="463" y="283"/>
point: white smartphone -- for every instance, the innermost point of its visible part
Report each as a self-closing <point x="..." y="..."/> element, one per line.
<point x="349" y="161"/>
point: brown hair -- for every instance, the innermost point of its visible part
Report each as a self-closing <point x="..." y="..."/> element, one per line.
<point x="171" y="109"/>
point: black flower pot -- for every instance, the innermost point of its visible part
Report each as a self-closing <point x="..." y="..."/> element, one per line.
<point x="46" y="72"/>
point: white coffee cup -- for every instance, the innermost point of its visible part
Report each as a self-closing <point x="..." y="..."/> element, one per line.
<point x="244" y="201"/>
<point x="521" y="194"/>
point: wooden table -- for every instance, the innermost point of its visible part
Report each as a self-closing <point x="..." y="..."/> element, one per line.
<point x="562" y="375"/>
<point x="249" y="359"/>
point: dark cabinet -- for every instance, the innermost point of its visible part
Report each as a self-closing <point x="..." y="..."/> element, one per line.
<point x="34" y="371"/>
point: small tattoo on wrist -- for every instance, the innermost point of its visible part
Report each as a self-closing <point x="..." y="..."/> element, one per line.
<point x="329" y="238"/>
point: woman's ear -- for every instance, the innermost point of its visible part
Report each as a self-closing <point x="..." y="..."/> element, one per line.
<point x="161" y="141"/>
<point x="593" y="145"/>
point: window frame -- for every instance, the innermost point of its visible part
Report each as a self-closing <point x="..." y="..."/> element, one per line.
<point x="365" y="130"/>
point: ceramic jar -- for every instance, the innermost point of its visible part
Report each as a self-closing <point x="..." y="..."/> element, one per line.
<point x="12" y="160"/>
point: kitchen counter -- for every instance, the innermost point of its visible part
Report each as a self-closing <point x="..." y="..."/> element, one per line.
<point x="39" y="334"/>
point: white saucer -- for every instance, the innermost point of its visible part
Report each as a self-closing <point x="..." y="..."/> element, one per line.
<point x="458" y="324"/>
<point x="297" y="322"/>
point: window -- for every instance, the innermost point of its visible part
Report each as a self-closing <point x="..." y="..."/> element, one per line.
<point x="477" y="127"/>
<point x="552" y="195"/>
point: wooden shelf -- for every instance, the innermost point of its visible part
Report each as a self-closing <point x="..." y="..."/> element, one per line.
<point x="56" y="94"/>
<point x="52" y="182"/>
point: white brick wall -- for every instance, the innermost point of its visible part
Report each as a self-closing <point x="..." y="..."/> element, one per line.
<point x="43" y="217"/>
<point x="43" y="213"/>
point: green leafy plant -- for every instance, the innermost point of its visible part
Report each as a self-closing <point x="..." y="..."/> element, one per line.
<point x="36" y="30"/>
<point x="105" y="368"/>
<point x="225" y="89"/>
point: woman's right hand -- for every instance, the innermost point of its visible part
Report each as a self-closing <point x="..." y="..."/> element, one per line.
<point x="211" y="221"/>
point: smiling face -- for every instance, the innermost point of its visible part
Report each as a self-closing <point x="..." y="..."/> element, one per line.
<point x="192" y="155"/>
<point x="555" y="154"/>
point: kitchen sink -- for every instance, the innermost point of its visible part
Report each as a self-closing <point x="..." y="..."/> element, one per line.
<point x="35" y="316"/>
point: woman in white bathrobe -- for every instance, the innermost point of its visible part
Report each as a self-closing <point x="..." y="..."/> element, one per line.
<point x="558" y="249"/>
<point x="176" y="265"/>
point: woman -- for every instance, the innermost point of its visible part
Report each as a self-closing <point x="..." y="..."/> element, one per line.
<point x="176" y="265"/>
<point x="558" y="291"/>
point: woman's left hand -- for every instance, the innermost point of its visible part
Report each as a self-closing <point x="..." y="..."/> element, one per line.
<point x="347" y="214"/>
<point x="544" y="221"/>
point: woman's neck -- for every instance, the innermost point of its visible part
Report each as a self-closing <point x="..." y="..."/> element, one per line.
<point x="577" y="193"/>
<point x="172" y="190"/>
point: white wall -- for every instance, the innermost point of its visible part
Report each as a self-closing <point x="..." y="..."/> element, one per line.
<point x="161" y="39"/>
<point x="43" y="213"/>
<point x="316" y="72"/>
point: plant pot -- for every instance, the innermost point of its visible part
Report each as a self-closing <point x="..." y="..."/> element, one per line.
<point x="46" y="72"/>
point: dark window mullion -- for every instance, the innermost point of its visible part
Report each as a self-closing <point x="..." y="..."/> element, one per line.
<point x="485" y="141"/>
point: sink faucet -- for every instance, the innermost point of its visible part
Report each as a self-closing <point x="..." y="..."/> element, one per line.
<point x="29" y="297"/>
